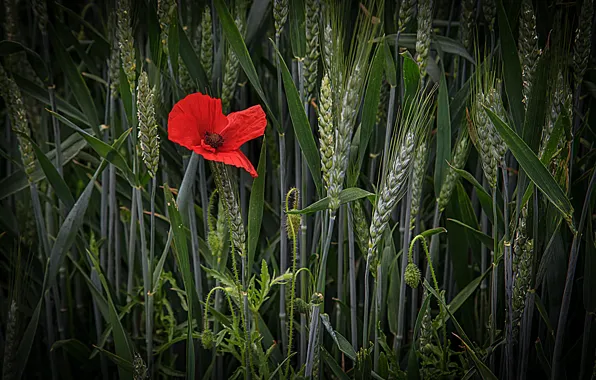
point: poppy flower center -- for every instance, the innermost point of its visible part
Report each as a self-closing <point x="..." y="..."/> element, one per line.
<point x="214" y="140"/>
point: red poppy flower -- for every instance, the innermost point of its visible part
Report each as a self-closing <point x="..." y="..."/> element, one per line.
<point x="198" y="123"/>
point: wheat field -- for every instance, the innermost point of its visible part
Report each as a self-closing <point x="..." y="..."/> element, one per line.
<point x="297" y="189"/>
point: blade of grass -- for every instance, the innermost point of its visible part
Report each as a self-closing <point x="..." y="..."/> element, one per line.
<point x="75" y="81"/>
<point x="347" y="195"/>
<point x="535" y="170"/>
<point x="239" y="48"/>
<point x="301" y="125"/>
<point x="183" y="260"/>
<point x="512" y="74"/>
<point x="443" y="134"/>
<point x="256" y="206"/>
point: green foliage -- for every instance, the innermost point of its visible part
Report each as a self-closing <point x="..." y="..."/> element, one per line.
<point x="401" y="226"/>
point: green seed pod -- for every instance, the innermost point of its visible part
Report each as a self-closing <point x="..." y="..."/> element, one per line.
<point x="361" y="226"/>
<point x="140" y="371"/>
<point x="527" y="46"/>
<point x="412" y="275"/>
<point x="207" y="339"/>
<point x="280" y="15"/>
<point x="418" y="170"/>
<point x="207" y="43"/>
<point x="311" y="73"/>
<point x="467" y="22"/>
<point x="326" y="128"/>
<point x="316" y="299"/>
<point x="166" y="11"/>
<point x="18" y="119"/>
<point x="126" y="42"/>
<point x="460" y="156"/>
<point x="148" y="134"/>
<point x="425" y="18"/>
<point x="583" y="41"/>
<point x="406" y="13"/>
<point x="292" y="220"/>
<point x="489" y="8"/>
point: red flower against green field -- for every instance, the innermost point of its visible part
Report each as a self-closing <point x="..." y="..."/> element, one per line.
<point x="198" y="123"/>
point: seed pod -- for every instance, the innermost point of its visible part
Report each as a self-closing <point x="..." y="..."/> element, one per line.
<point x="126" y="42"/>
<point x="140" y="371"/>
<point x="418" y="170"/>
<point x="425" y="19"/>
<point x="18" y="119"/>
<point x="228" y="195"/>
<point x="522" y="268"/>
<point x="349" y="109"/>
<point x="527" y="46"/>
<point x="232" y="66"/>
<point x="561" y="95"/>
<point x="326" y="128"/>
<point x="10" y="344"/>
<point x="412" y="275"/>
<point x="280" y="15"/>
<point x="293" y="220"/>
<point x="166" y="11"/>
<point x="583" y="41"/>
<point x="361" y="226"/>
<point x="311" y="73"/>
<point x="467" y="22"/>
<point x="460" y="156"/>
<point x="489" y="8"/>
<point x="148" y="136"/>
<point x="490" y="145"/>
<point x="407" y="9"/>
<point x="390" y="189"/>
<point x="207" y="43"/>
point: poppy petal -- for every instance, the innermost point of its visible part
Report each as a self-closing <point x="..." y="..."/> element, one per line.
<point x="243" y="126"/>
<point x="235" y="158"/>
<point x="192" y="116"/>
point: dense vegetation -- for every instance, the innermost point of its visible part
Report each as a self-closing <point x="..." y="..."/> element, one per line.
<point x="420" y="206"/>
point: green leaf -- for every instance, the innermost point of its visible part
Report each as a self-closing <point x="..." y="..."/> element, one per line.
<point x="183" y="260"/>
<point x="297" y="28"/>
<point x="511" y="68"/>
<point x="11" y="47"/>
<point x="75" y="81"/>
<point x="301" y="125"/>
<point x="335" y="368"/>
<point x="538" y="103"/>
<point x="256" y="206"/>
<point x="534" y="168"/>
<point x="237" y="45"/>
<point x="347" y="195"/>
<point x="18" y="180"/>
<point x="29" y="88"/>
<point x="121" y="341"/>
<point x="443" y="134"/>
<point x="466" y="292"/>
<point x="484" y="198"/>
<point x="448" y="45"/>
<point x="434" y="231"/>
<point x="390" y="72"/>
<point x="482" y="368"/>
<point x="104" y="150"/>
<point x="60" y="187"/>
<point x="369" y="113"/>
<point x="77" y="349"/>
<point x="93" y="34"/>
<point x="411" y="74"/>
<point x="341" y="342"/>
<point x="481" y="236"/>
<point x="192" y="62"/>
